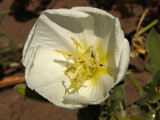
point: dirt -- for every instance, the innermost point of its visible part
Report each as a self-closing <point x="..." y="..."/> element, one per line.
<point x="14" y="106"/>
<point x="21" y="16"/>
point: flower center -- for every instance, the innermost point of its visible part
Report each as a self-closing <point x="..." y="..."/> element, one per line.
<point x="82" y="65"/>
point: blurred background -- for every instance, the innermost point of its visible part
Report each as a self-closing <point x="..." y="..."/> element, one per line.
<point x="16" y="20"/>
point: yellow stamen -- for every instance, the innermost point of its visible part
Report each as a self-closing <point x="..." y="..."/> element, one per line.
<point x="63" y="52"/>
<point x="84" y="64"/>
<point x="76" y="43"/>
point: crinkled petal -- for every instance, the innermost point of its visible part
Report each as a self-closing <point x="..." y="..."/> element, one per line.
<point x="54" y="28"/>
<point x="108" y="28"/>
<point x="46" y="76"/>
<point x="92" y="94"/>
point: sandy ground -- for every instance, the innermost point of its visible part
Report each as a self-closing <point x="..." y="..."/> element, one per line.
<point x="14" y="106"/>
<point x="17" y="25"/>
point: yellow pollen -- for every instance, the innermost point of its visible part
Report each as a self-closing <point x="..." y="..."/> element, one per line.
<point x="82" y="65"/>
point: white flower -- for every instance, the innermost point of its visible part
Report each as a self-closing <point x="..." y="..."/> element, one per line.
<point x="73" y="57"/>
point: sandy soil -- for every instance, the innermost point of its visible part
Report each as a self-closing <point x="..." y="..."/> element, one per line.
<point x="17" y="25"/>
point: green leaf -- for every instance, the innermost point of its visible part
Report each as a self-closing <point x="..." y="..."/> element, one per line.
<point x="21" y="89"/>
<point x="153" y="44"/>
<point x="115" y="104"/>
<point x="150" y="94"/>
<point x="144" y="112"/>
<point x="116" y="96"/>
<point x="137" y="118"/>
<point x="149" y="97"/>
<point x="26" y="91"/>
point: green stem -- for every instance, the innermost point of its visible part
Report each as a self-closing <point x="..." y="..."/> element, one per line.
<point x="148" y="26"/>
<point x="134" y="82"/>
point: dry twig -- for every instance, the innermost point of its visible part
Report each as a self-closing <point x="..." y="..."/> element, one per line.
<point x="12" y="80"/>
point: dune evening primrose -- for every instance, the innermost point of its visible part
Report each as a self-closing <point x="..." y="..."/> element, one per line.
<point x="73" y="57"/>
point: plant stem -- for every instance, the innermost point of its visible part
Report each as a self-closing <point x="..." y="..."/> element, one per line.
<point x="140" y="22"/>
<point x="134" y="82"/>
<point x="141" y="19"/>
<point x="123" y="112"/>
<point x="148" y="26"/>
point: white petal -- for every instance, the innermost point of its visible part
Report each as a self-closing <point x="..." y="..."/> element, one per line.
<point x="89" y="94"/>
<point x="74" y="99"/>
<point x="108" y="28"/>
<point x="27" y="45"/>
<point x="45" y="67"/>
<point x="47" y="77"/>
<point x="55" y="28"/>
<point x="124" y="60"/>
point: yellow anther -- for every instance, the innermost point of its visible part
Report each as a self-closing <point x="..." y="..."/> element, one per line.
<point x="63" y="52"/>
<point x="75" y="42"/>
<point x="83" y="64"/>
